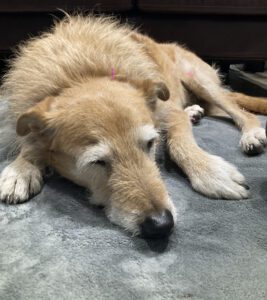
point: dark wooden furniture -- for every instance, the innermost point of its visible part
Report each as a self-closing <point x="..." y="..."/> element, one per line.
<point x="214" y="29"/>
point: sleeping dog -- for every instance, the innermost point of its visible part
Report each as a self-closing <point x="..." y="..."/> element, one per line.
<point x="90" y="97"/>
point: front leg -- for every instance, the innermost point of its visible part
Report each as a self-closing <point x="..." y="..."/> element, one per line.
<point x="21" y="179"/>
<point x="209" y="174"/>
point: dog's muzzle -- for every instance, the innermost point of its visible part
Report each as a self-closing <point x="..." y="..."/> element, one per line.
<point x="157" y="226"/>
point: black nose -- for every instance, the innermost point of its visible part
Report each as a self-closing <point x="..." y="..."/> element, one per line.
<point x="158" y="225"/>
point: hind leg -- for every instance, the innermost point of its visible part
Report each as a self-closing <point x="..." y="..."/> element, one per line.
<point x="253" y="139"/>
<point x="21" y="179"/>
<point x="204" y="82"/>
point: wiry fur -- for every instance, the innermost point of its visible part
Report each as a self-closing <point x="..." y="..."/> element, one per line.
<point x="8" y="141"/>
<point x="58" y="59"/>
<point x="101" y="132"/>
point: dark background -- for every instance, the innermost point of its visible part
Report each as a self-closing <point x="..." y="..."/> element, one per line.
<point x="220" y="31"/>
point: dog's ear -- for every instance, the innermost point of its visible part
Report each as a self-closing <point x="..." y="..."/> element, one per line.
<point x="153" y="90"/>
<point x="35" y="119"/>
<point x="156" y="90"/>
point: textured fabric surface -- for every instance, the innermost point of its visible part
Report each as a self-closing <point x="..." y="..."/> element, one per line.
<point x="57" y="246"/>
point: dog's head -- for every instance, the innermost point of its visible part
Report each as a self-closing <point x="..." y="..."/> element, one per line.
<point x="101" y="135"/>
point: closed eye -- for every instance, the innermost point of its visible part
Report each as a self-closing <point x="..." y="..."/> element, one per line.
<point x="150" y="144"/>
<point x="101" y="163"/>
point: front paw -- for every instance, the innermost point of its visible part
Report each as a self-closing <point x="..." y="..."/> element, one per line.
<point x="18" y="182"/>
<point x="195" y="113"/>
<point x="253" y="141"/>
<point x="216" y="178"/>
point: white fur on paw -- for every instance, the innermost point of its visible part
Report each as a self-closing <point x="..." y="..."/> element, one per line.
<point x="195" y="113"/>
<point x="219" y="179"/>
<point x="18" y="183"/>
<point x="253" y="141"/>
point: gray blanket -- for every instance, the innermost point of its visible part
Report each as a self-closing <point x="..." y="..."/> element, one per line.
<point x="57" y="246"/>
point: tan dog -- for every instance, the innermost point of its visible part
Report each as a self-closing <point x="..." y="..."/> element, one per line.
<point x="90" y="98"/>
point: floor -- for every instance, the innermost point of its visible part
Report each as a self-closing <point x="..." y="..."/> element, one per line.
<point x="58" y="246"/>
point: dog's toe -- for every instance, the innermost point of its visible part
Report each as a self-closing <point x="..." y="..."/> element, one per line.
<point x="195" y="113"/>
<point x="16" y="186"/>
<point x="254" y="141"/>
<point x="219" y="179"/>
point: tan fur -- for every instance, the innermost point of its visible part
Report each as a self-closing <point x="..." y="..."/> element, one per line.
<point x="95" y="130"/>
<point x="253" y="104"/>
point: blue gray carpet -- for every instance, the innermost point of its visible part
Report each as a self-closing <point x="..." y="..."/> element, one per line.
<point x="57" y="246"/>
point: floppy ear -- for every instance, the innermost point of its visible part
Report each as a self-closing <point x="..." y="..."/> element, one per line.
<point x="153" y="90"/>
<point x="34" y="119"/>
<point x="156" y="90"/>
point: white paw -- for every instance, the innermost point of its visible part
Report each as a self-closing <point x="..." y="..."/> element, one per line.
<point x="253" y="141"/>
<point x="19" y="182"/>
<point x="217" y="178"/>
<point x="195" y="113"/>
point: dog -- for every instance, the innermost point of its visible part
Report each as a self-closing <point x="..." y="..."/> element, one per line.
<point x="90" y="98"/>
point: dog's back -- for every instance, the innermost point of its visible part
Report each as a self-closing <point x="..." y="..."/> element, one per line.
<point x="76" y="47"/>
